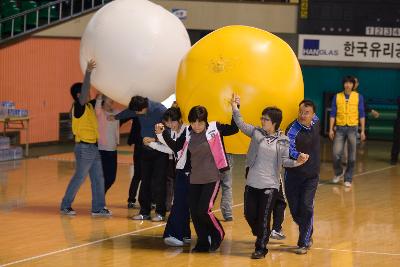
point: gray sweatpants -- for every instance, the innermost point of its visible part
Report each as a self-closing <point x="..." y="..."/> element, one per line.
<point x="226" y="186"/>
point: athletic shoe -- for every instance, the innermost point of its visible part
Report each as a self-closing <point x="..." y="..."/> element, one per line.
<point x="229" y="219"/>
<point x="132" y="205"/>
<point x="215" y="244"/>
<point x="173" y="242"/>
<point x="347" y="184"/>
<point x="277" y="235"/>
<point x="301" y="250"/>
<point x="310" y="243"/>
<point x="197" y="249"/>
<point x="141" y="217"/>
<point x="259" y="254"/>
<point x="103" y="212"/>
<point x="158" y="218"/>
<point x="187" y="240"/>
<point x="68" y="211"/>
<point x="337" y="178"/>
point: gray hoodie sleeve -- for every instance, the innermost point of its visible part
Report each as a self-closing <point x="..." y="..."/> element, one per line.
<point x="287" y="162"/>
<point x="246" y="128"/>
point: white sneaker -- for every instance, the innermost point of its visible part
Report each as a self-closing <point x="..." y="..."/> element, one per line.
<point x="347" y="184"/>
<point x="277" y="235"/>
<point x="173" y="242"/>
<point x="336" y="179"/>
<point x="158" y="218"/>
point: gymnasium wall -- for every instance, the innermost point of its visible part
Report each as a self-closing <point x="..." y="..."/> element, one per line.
<point x="36" y="74"/>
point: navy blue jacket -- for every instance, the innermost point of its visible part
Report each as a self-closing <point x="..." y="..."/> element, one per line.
<point x="304" y="140"/>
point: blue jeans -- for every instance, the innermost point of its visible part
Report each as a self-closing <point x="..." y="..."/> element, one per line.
<point x="87" y="162"/>
<point x="343" y="134"/>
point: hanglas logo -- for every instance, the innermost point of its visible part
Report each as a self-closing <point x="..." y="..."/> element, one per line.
<point x="311" y="47"/>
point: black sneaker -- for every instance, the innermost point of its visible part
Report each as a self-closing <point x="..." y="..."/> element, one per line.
<point x="215" y="244"/>
<point x="103" y="212"/>
<point x="68" y="211"/>
<point x="131" y="205"/>
<point x="197" y="249"/>
<point x="229" y="219"/>
<point x="259" y="254"/>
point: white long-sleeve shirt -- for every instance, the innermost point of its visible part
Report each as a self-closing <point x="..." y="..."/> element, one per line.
<point x="174" y="135"/>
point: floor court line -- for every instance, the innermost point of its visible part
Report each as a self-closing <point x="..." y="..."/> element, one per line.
<point x="162" y="224"/>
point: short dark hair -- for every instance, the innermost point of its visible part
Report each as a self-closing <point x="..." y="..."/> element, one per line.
<point x="349" y="79"/>
<point x="275" y="114"/>
<point x="138" y="103"/>
<point x="308" y="103"/>
<point x="198" y="113"/>
<point x="173" y="114"/>
<point x="76" y="88"/>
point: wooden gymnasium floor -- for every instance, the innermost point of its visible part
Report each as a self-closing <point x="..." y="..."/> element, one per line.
<point x="356" y="227"/>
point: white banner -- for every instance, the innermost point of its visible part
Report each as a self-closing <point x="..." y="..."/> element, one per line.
<point x="349" y="48"/>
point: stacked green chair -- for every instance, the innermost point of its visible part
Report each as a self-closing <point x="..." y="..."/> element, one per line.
<point x="9" y="8"/>
<point x="43" y="13"/>
<point x="30" y="17"/>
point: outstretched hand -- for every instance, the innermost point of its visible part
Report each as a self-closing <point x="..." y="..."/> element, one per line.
<point x="235" y="101"/>
<point x="91" y="65"/>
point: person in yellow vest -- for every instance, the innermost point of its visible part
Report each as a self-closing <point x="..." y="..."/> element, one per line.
<point x="348" y="113"/>
<point x="87" y="156"/>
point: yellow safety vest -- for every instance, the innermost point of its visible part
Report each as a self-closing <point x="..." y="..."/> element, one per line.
<point x="347" y="110"/>
<point x="85" y="128"/>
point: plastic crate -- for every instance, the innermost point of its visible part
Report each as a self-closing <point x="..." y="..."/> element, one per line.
<point x="4" y="142"/>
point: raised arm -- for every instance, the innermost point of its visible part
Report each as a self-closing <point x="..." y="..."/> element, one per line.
<point x="84" y="96"/>
<point x="246" y="128"/>
<point x="228" y="129"/>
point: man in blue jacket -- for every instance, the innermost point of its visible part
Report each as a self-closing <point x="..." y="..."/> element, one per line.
<point x="301" y="182"/>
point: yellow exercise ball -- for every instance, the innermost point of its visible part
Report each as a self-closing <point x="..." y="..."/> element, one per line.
<point x="257" y="65"/>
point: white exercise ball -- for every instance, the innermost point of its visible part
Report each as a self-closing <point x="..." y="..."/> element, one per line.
<point x="137" y="46"/>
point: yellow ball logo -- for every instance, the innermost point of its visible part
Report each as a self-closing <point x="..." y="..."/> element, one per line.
<point x="257" y="65"/>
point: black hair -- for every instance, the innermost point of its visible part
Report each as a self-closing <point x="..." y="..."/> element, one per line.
<point x="173" y="114"/>
<point x="275" y="114"/>
<point x="349" y="79"/>
<point x="76" y="89"/>
<point x="198" y="113"/>
<point x="308" y="103"/>
<point x="138" y="103"/>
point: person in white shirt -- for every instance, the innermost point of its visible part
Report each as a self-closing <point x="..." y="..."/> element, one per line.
<point x="108" y="138"/>
<point x="177" y="231"/>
